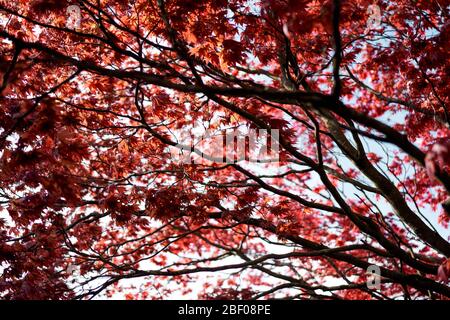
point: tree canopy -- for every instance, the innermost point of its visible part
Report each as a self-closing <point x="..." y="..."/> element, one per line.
<point x="97" y="98"/>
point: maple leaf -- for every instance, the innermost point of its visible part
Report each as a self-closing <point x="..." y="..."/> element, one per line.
<point x="231" y="53"/>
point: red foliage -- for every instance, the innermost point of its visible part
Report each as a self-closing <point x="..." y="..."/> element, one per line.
<point x="98" y="122"/>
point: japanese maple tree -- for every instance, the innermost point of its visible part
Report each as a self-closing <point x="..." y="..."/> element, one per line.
<point x="96" y="96"/>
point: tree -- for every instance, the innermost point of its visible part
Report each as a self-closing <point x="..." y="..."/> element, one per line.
<point x="96" y="97"/>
